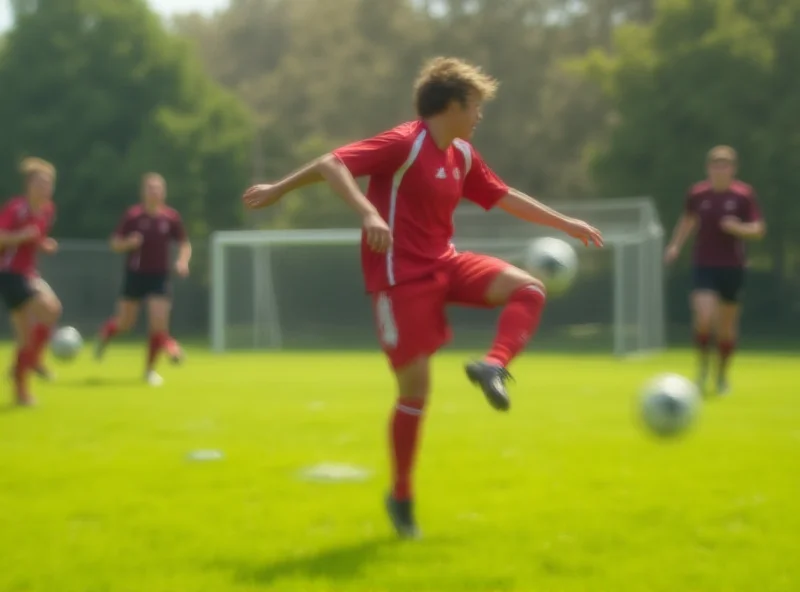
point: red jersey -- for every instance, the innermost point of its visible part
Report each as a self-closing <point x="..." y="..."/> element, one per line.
<point x="158" y="231"/>
<point x="416" y="186"/>
<point x="713" y="247"/>
<point x="15" y="215"/>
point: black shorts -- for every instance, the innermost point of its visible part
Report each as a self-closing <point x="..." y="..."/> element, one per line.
<point x="15" y="289"/>
<point x="138" y="286"/>
<point x="727" y="282"/>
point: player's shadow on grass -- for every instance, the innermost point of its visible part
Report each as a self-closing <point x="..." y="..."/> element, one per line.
<point x="343" y="563"/>
<point x="100" y="382"/>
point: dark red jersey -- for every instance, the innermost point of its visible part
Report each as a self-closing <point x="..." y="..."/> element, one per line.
<point x="158" y="232"/>
<point x="713" y="247"/>
<point x="15" y="215"/>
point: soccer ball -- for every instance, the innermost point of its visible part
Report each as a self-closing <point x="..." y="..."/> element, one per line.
<point x="553" y="261"/>
<point x="66" y="343"/>
<point x="669" y="404"/>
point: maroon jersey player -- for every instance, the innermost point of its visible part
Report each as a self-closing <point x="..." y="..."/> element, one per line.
<point x="725" y="214"/>
<point x="24" y="225"/>
<point x="418" y="172"/>
<point x="145" y="235"/>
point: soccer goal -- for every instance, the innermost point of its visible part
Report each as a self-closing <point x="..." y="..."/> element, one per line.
<point x="302" y="289"/>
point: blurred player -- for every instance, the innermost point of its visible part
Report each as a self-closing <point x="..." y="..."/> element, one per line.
<point x="145" y="234"/>
<point x="725" y="213"/>
<point x="24" y="224"/>
<point x="419" y="171"/>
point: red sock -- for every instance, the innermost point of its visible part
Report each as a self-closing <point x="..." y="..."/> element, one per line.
<point x="39" y="338"/>
<point x="156" y="344"/>
<point x="171" y="346"/>
<point x="25" y="360"/>
<point x="701" y="341"/>
<point x="404" y="436"/>
<point x="109" y="329"/>
<point x="726" y="349"/>
<point x="517" y="324"/>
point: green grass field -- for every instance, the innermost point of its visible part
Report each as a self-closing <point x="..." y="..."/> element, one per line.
<point x="565" y="493"/>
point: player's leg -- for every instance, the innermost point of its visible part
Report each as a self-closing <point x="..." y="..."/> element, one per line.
<point x="28" y="308"/>
<point x="43" y="329"/>
<point x="482" y="281"/>
<point x="134" y="289"/>
<point x="158" y="309"/>
<point x="728" y="323"/>
<point x="705" y="304"/>
<point x="413" y="389"/>
<point x="411" y="327"/>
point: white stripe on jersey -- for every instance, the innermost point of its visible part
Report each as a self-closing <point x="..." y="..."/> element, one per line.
<point x="398" y="178"/>
<point x="466" y="150"/>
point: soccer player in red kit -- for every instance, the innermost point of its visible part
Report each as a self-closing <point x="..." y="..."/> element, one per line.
<point x="725" y="213"/>
<point x="145" y="234"/>
<point x="418" y="172"/>
<point x="24" y="224"/>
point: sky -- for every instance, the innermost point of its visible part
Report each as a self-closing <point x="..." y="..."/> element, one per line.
<point x="164" y="7"/>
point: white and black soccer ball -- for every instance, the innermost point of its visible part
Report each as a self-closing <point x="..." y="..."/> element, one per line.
<point x="66" y="343"/>
<point x="553" y="261"/>
<point x="669" y="404"/>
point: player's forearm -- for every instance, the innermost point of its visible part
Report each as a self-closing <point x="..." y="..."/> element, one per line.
<point x="344" y="184"/>
<point x="11" y="238"/>
<point x="306" y="175"/>
<point x="751" y="230"/>
<point x="120" y="244"/>
<point x="526" y="208"/>
<point x="682" y="232"/>
<point x="185" y="252"/>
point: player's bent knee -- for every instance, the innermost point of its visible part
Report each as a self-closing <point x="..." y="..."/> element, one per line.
<point x="513" y="281"/>
<point x="413" y="379"/>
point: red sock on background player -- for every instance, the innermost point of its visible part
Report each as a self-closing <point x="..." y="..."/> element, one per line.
<point x="726" y="349"/>
<point x="517" y="324"/>
<point x="156" y="344"/>
<point x="40" y="337"/>
<point x="25" y="361"/>
<point x="404" y="438"/>
<point x="110" y="328"/>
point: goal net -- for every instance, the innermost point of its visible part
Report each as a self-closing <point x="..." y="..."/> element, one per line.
<point x="302" y="289"/>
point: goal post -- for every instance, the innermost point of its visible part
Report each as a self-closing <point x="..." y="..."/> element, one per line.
<point x="287" y="289"/>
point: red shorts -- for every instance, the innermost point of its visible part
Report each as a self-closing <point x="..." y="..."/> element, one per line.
<point x="411" y="318"/>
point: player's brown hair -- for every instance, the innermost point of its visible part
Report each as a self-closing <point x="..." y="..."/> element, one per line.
<point x="443" y="80"/>
<point x="725" y="153"/>
<point x="36" y="166"/>
<point x="153" y="177"/>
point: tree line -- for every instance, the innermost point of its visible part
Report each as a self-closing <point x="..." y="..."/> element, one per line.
<point x="599" y="98"/>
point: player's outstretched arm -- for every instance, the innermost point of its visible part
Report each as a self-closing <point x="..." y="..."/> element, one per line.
<point x="683" y="230"/>
<point x="526" y="208"/>
<point x="330" y="169"/>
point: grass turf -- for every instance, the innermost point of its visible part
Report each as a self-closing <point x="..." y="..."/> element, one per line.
<point x="565" y="493"/>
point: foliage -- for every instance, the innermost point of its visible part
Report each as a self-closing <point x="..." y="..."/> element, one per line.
<point x="100" y="89"/>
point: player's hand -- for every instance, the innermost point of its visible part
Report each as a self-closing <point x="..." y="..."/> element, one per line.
<point x="135" y="240"/>
<point x="28" y="234"/>
<point x="182" y="268"/>
<point x="731" y="225"/>
<point x="671" y="253"/>
<point x="377" y="232"/>
<point x="586" y="233"/>
<point x="261" y="196"/>
<point x="48" y="245"/>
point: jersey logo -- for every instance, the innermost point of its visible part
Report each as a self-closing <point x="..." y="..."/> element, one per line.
<point x="144" y="224"/>
<point x="163" y="226"/>
<point x="441" y="173"/>
<point x="730" y="205"/>
<point x="456" y="174"/>
<point x="705" y="204"/>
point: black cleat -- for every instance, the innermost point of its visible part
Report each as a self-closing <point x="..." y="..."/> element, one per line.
<point x="492" y="379"/>
<point x="401" y="513"/>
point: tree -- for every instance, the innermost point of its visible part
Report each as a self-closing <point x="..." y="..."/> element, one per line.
<point x="105" y="93"/>
<point x="706" y="72"/>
